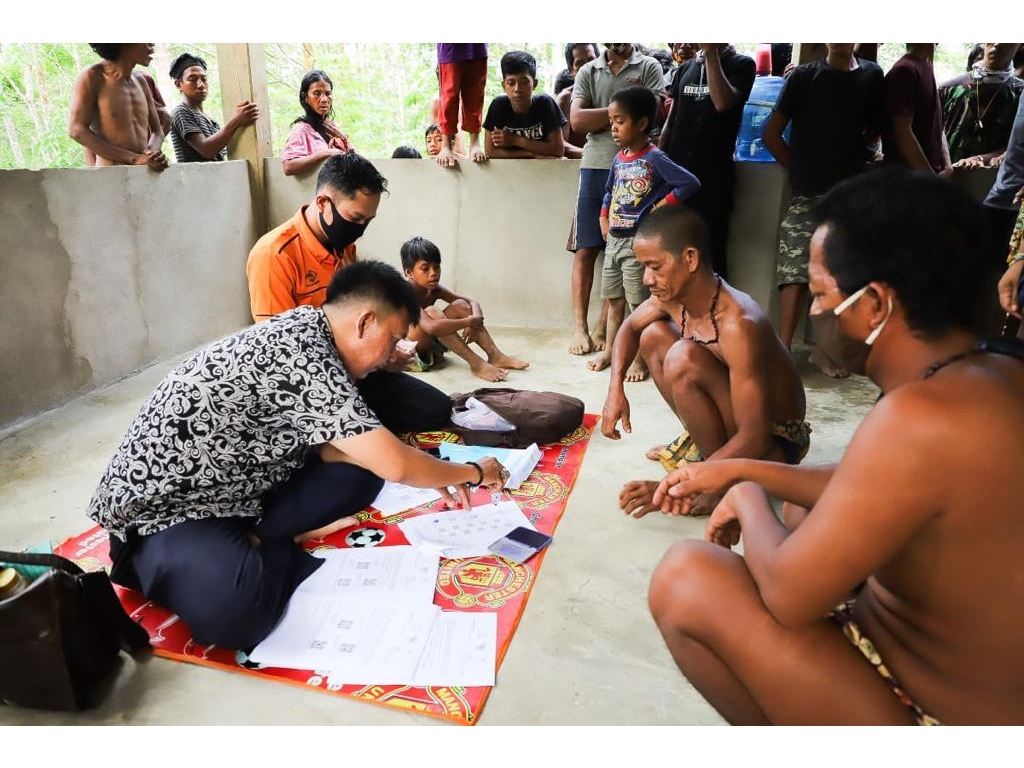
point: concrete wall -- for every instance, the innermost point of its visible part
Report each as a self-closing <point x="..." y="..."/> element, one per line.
<point x="108" y="269"/>
<point x="501" y="227"/>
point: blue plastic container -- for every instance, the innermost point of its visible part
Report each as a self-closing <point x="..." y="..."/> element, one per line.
<point x="750" y="146"/>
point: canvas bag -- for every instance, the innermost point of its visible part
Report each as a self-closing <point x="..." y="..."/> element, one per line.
<point x="61" y="637"/>
<point x="537" y="417"/>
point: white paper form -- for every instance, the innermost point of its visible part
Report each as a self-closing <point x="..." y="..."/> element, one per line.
<point x="395" y="497"/>
<point x="359" y="641"/>
<point x="518" y="461"/>
<point x="393" y="575"/>
<point x="458" y="534"/>
<point x="462" y="650"/>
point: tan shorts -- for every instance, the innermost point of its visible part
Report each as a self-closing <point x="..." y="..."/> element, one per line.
<point x="622" y="275"/>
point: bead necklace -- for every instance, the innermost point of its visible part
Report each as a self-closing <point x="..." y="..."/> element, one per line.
<point x="940" y="364"/>
<point x="714" y="323"/>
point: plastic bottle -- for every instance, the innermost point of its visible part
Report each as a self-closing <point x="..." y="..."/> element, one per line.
<point x="750" y="146"/>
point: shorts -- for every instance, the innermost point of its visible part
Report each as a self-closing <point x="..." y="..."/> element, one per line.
<point x="424" y="361"/>
<point x="793" y="437"/>
<point x="586" y="224"/>
<point x="622" y="275"/>
<point x="794" y="242"/>
<point x="843" y="616"/>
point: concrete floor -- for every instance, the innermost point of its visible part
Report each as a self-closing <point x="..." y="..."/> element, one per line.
<point x="586" y="651"/>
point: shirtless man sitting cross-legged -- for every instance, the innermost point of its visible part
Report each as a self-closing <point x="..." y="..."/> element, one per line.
<point x="713" y="354"/>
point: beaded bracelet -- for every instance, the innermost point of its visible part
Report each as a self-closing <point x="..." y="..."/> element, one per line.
<point x="480" y="475"/>
<point x="1013" y="258"/>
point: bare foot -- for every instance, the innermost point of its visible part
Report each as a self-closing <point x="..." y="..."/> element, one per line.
<point x="600" y="362"/>
<point x="509" y="363"/>
<point x="488" y="372"/>
<point x="477" y="153"/>
<point x="446" y="158"/>
<point x="582" y="344"/>
<point x="599" y="338"/>
<point x="825" y="364"/>
<point x="636" y="497"/>
<point x="654" y="454"/>
<point x="637" y="371"/>
<point x="327" y="530"/>
<point x="703" y="504"/>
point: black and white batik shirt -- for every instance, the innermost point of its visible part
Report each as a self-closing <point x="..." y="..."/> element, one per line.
<point x="229" y="423"/>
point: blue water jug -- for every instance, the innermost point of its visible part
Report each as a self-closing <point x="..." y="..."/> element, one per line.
<point x="750" y="146"/>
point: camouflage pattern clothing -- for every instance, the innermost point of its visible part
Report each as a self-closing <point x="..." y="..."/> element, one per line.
<point x="963" y="104"/>
<point x="1017" y="238"/>
<point x="795" y="241"/>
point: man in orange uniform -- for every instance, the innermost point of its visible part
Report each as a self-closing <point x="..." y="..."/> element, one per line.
<point x="292" y="265"/>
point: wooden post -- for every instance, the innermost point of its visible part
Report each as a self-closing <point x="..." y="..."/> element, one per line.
<point x="243" y="77"/>
<point x="805" y="52"/>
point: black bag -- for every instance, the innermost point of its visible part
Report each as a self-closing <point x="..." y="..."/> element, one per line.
<point x="536" y="417"/>
<point x="61" y="637"/>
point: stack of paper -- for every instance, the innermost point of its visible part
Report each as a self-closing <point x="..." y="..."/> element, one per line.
<point x="518" y="461"/>
<point x="467" y="533"/>
<point x="367" y="616"/>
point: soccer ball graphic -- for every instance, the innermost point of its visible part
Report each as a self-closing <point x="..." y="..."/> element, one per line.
<point x="365" y="537"/>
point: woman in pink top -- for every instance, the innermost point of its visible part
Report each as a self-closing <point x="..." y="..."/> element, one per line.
<point x="314" y="137"/>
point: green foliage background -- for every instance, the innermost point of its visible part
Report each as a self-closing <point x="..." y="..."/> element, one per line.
<point x="382" y="90"/>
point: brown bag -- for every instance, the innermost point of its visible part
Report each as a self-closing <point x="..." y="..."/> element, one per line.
<point x="61" y="637"/>
<point x="536" y="417"/>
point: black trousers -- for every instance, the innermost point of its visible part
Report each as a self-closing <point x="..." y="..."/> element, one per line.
<point x="404" y="403"/>
<point x="229" y="590"/>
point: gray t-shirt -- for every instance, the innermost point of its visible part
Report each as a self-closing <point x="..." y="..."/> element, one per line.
<point x="228" y="424"/>
<point x="1011" y="173"/>
<point x="596" y="85"/>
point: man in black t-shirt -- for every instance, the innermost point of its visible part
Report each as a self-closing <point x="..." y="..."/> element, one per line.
<point x="708" y="94"/>
<point x="835" y="107"/>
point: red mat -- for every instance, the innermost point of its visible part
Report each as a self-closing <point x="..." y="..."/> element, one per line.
<point x="473" y="584"/>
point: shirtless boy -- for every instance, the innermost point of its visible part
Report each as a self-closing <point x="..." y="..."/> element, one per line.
<point x="113" y="114"/>
<point x="897" y="600"/>
<point x="458" y="325"/>
<point x="713" y="354"/>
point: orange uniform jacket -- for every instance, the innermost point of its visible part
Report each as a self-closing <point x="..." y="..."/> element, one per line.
<point x="289" y="267"/>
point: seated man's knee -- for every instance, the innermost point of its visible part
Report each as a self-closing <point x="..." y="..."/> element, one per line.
<point x="656" y="339"/>
<point x="433" y="312"/>
<point x="237" y="625"/>
<point x="686" y="361"/>
<point x="683" y="584"/>
<point x="435" y="411"/>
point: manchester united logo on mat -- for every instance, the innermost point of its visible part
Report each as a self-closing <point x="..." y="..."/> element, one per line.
<point x="485" y="581"/>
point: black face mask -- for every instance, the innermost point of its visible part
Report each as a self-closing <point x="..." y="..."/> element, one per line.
<point x="341" y="232"/>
